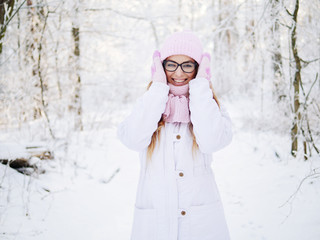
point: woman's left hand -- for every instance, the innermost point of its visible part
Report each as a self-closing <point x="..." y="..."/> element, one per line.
<point x="157" y="71"/>
<point x="204" y="67"/>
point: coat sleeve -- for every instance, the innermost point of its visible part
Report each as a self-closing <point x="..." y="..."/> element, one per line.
<point x="211" y="124"/>
<point x="136" y="130"/>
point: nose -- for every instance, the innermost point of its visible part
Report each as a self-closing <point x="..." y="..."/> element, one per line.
<point x="179" y="71"/>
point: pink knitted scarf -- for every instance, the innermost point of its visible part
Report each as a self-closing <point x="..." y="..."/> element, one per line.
<point x="177" y="108"/>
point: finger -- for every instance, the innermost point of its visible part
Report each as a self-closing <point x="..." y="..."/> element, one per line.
<point x="205" y="61"/>
<point x="206" y="55"/>
<point x="153" y="69"/>
<point x="156" y="54"/>
<point x="205" y="64"/>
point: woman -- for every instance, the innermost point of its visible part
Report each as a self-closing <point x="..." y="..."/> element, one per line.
<point x="176" y="126"/>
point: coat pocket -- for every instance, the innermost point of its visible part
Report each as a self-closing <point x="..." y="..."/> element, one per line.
<point x="207" y="222"/>
<point x="144" y="224"/>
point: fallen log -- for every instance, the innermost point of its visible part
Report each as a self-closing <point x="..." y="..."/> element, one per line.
<point x="19" y="157"/>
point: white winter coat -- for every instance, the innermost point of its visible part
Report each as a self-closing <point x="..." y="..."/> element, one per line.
<point x="177" y="197"/>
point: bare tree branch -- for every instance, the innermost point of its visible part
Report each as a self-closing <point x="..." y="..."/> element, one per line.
<point x="291" y="14"/>
<point x="12" y="16"/>
<point x="314" y="174"/>
<point x="306" y="63"/>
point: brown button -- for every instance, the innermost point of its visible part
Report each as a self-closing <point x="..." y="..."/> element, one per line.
<point x="178" y="137"/>
<point x="183" y="213"/>
<point x="181" y="174"/>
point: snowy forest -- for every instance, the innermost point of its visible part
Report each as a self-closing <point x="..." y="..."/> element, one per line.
<point x="70" y="71"/>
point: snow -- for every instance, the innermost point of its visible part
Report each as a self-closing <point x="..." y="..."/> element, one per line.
<point x="12" y="151"/>
<point x="257" y="187"/>
<point x="88" y="189"/>
<point x="93" y="197"/>
<point x="80" y="202"/>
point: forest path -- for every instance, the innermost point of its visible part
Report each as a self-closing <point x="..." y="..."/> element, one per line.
<point x="95" y="198"/>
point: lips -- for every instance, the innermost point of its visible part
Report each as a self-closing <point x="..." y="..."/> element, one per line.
<point x="179" y="80"/>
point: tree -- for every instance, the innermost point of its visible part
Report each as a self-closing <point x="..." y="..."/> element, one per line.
<point x="296" y="80"/>
<point x="75" y="56"/>
<point x="276" y="48"/>
<point x="301" y="120"/>
<point x="6" y="10"/>
<point x="38" y="14"/>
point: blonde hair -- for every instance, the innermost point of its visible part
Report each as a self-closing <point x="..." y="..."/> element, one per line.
<point x="156" y="135"/>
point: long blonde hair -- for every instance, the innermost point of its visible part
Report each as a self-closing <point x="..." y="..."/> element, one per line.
<point x="156" y="135"/>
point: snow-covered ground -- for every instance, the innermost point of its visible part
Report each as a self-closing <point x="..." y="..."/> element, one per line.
<point x="88" y="190"/>
<point x="92" y="194"/>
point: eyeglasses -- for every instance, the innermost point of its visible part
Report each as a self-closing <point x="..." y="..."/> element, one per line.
<point x="187" y="67"/>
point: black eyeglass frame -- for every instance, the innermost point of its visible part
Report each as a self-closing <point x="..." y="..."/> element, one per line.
<point x="196" y="65"/>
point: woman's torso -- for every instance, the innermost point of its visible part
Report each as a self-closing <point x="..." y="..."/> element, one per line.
<point x="177" y="191"/>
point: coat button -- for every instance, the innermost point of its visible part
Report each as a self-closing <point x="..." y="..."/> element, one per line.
<point x="181" y="174"/>
<point x="178" y="137"/>
<point x="183" y="213"/>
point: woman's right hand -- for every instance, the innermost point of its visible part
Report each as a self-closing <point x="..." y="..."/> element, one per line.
<point x="158" y="74"/>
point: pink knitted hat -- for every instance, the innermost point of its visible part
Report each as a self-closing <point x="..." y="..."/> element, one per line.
<point x="182" y="43"/>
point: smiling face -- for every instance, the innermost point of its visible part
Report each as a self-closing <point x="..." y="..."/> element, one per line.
<point x="179" y="77"/>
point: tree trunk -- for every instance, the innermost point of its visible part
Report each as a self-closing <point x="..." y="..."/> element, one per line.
<point x="32" y="46"/>
<point x="276" y="50"/>
<point x="78" y="125"/>
<point x="192" y="3"/>
<point x="296" y="83"/>
<point x="4" y="17"/>
<point x="179" y="13"/>
<point x="35" y="56"/>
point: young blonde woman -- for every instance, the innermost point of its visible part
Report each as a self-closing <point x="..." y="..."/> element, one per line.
<point x="176" y="125"/>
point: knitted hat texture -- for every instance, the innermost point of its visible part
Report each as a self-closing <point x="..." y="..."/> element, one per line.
<point x="182" y="43"/>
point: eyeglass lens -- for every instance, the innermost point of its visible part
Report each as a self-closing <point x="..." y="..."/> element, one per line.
<point x="187" y="67"/>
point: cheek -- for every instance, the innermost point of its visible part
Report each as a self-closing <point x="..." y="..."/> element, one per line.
<point x="192" y="75"/>
<point x="167" y="74"/>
